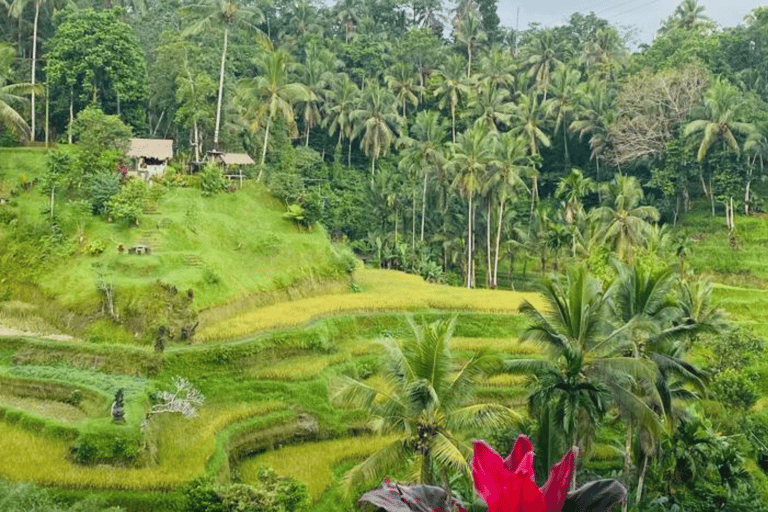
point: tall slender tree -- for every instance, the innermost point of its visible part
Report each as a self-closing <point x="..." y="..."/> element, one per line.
<point x="225" y="13"/>
<point x="377" y="119"/>
<point x="469" y="160"/>
<point x="271" y="95"/>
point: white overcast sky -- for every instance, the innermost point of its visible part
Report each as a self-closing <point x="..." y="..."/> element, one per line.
<point x="645" y="15"/>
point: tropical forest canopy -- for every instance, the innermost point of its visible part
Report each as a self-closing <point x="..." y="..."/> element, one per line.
<point x="415" y="129"/>
<point x="430" y="139"/>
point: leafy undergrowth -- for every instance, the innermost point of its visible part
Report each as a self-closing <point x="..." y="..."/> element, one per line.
<point x="313" y="463"/>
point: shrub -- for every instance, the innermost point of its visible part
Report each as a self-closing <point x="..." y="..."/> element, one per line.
<point x="129" y="203"/>
<point x="272" y="493"/>
<point x="96" y="131"/>
<point x="211" y="180"/>
<point x="104" y="186"/>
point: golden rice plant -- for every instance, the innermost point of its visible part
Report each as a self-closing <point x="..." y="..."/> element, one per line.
<point x="312" y="463"/>
<point x="185" y="446"/>
<point x="383" y="290"/>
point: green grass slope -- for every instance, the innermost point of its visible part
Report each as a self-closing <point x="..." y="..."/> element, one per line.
<point x="226" y="249"/>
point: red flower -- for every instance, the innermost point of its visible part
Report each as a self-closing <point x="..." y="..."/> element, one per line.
<point x="509" y="485"/>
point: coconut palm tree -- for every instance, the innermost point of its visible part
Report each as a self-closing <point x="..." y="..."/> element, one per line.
<point x="271" y="95"/>
<point x="510" y="164"/>
<point x="342" y="100"/>
<point x="586" y="369"/>
<point x="497" y="67"/>
<point x="401" y="80"/>
<point x="593" y="117"/>
<point x="529" y="115"/>
<point x="316" y="74"/>
<point x="16" y="9"/>
<point x="224" y="13"/>
<point x="490" y="106"/>
<point x="11" y="95"/>
<point x="377" y="118"/>
<point x="469" y="161"/>
<point x="688" y="15"/>
<point x="563" y="104"/>
<point x="718" y="119"/>
<point x="542" y="56"/>
<point x="470" y="33"/>
<point x="424" y="396"/>
<point x="625" y="220"/>
<point x="425" y="151"/>
<point x="451" y="86"/>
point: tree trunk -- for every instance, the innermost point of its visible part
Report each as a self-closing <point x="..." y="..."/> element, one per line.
<point x="34" y="65"/>
<point x="424" y="202"/>
<point x="495" y="281"/>
<point x="264" y="149"/>
<point x="373" y="166"/>
<point x="488" y="272"/>
<point x="711" y="196"/>
<point x="413" y="221"/>
<point x="71" y="112"/>
<point x="221" y="92"/>
<point x="469" y="242"/>
<point x="349" y="152"/>
<point x="197" y="142"/>
<point x="453" y="122"/>
<point x="641" y="480"/>
<point x="627" y="458"/>
<point x="47" y="115"/>
<point x="746" y="190"/>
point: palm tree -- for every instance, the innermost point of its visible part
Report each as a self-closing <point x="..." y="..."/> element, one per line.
<point x="342" y="99"/>
<point x="717" y="120"/>
<point x="451" y="85"/>
<point x="16" y="8"/>
<point x="604" y="52"/>
<point x="497" y="67"/>
<point x="586" y="368"/>
<point x="316" y="75"/>
<point x="378" y="119"/>
<point x="529" y="115"/>
<point x="470" y="157"/>
<point x="689" y="15"/>
<point x="425" y="151"/>
<point x="593" y="117"/>
<point x="542" y="57"/>
<point x="401" y="80"/>
<point x="271" y="96"/>
<point x="509" y="165"/>
<point x="346" y="13"/>
<point x="626" y="222"/>
<point x="490" y="106"/>
<point x="642" y="302"/>
<point x="563" y="102"/>
<point x="11" y="95"/>
<point x="470" y="34"/>
<point x="572" y="189"/>
<point x="225" y="13"/>
<point x="424" y="396"/>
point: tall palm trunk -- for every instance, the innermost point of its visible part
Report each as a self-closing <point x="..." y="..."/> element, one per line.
<point x="453" y="122"/>
<point x="469" y="242"/>
<point x="494" y="282"/>
<point x="641" y="480"/>
<point x="488" y="273"/>
<point x="424" y="202"/>
<point x="627" y="458"/>
<point x="34" y="63"/>
<point x="221" y="92"/>
<point x="264" y="149"/>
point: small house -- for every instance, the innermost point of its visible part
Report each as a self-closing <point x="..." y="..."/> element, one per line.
<point x="231" y="163"/>
<point x="150" y="156"/>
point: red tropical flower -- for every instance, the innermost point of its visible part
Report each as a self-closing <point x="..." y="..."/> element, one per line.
<point x="509" y="485"/>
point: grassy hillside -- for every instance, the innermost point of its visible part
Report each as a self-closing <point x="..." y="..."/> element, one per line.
<point x="226" y="249"/>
